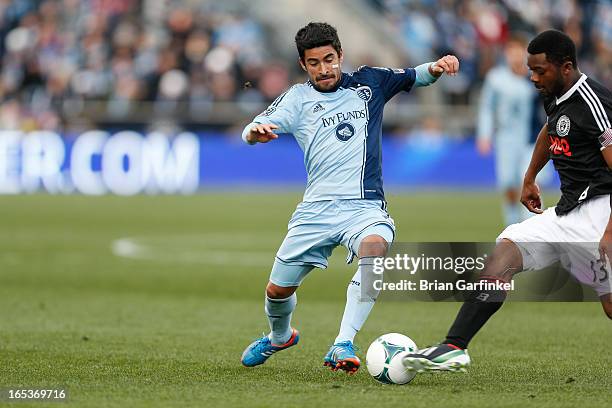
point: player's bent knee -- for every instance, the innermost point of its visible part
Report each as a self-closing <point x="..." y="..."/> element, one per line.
<point x="606" y="303"/>
<point x="279" y="292"/>
<point x="608" y="310"/>
<point x="373" y="245"/>
<point x="505" y="261"/>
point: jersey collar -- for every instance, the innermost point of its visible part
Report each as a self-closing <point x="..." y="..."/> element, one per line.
<point x="571" y="91"/>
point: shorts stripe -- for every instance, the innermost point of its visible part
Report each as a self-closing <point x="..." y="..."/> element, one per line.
<point x="300" y="263"/>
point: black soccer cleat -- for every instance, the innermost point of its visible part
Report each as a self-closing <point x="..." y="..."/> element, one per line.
<point x="441" y="357"/>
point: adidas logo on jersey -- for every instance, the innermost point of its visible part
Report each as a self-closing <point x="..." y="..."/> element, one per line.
<point x="318" y="108"/>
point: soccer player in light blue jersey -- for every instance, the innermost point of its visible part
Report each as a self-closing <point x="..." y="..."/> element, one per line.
<point x="505" y="117"/>
<point x="336" y="118"/>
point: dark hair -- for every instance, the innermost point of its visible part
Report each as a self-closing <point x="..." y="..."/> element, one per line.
<point x="317" y="35"/>
<point x="557" y="46"/>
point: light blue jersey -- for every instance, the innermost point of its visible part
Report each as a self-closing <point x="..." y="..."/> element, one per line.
<point x="340" y="131"/>
<point x="506" y="108"/>
<point x="505" y="116"/>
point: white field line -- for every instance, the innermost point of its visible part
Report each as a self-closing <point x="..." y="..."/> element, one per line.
<point x="206" y="249"/>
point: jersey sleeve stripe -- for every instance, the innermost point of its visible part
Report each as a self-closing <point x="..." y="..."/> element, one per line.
<point x="604" y="115"/>
<point x="593" y="109"/>
<point x="597" y="107"/>
<point x="279" y="99"/>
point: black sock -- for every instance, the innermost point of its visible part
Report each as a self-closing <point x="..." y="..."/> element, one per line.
<point x="478" y="307"/>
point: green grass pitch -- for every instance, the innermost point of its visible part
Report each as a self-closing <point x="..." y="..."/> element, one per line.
<point x="149" y="301"/>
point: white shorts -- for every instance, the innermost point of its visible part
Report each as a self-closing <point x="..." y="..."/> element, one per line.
<point x="572" y="239"/>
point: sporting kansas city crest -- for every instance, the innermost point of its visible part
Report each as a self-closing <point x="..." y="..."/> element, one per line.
<point x="344" y="131"/>
<point x="364" y="92"/>
<point x="563" y="126"/>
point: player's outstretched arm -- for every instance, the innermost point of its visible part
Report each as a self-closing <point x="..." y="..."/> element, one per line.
<point x="530" y="195"/>
<point x="448" y="64"/>
<point x="429" y="72"/>
<point x="259" y="133"/>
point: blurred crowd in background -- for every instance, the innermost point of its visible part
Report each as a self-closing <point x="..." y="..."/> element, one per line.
<point x="57" y="55"/>
<point x="475" y="31"/>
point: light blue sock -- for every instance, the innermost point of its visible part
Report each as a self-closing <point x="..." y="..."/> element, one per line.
<point x="511" y="213"/>
<point x="523" y="213"/>
<point x="359" y="304"/>
<point x="279" y="316"/>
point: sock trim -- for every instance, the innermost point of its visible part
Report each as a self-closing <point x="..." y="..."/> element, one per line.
<point x="367" y="260"/>
<point x="453" y="346"/>
<point x="291" y="339"/>
<point x="283" y="300"/>
<point x="493" y="278"/>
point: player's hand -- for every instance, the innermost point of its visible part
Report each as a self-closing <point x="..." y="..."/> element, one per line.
<point x="262" y="133"/>
<point x="448" y="64"/>
<point x="484" y="146"/>
<point x="605" y="247"/>
<point x="530" y="197"/>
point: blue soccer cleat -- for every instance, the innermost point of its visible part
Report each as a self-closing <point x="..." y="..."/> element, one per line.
<point x="262" y="349"/>
<point x="341" y="356"/>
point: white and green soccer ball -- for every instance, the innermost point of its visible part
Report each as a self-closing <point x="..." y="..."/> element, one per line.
<point x="384" y="358"/>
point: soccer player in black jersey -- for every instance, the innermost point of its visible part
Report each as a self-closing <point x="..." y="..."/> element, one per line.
<point x="577" y="137"/>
